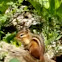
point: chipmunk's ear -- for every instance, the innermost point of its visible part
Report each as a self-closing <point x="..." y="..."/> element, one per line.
<point x="28" y="30"/>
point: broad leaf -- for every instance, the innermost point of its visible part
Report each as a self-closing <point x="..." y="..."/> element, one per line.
<point x="52" y="7"/>
<point x="14" y="60"/>
<point x="3" y="5"/>
<point x="57" y="3"/>
<point x="9" y="37"/>
<point x="36" y="5"/>
<point x="20" y="1"/>
<point x="45" y="3"/>
<point x="59" y="11"/>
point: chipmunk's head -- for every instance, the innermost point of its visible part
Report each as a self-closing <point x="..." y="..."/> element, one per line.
<point x="23" y="35"/>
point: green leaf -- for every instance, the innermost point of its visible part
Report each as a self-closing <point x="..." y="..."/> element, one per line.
<point x="52" y="36"/>
<point x="16" y="42"/>
<point x="10" y="3"/>
<point x="57" y="3"/>
<point x="9" y="37"/>
<point x="39" y="7"/>
<point x="14" y="60"/>
<point x="36" y="5"/>
<point x="1" y="32"/>
<point x="20" y="1"/>
<point x="4" y="6"/>
<point x="52" y="7"/>
<point x="3" y="18"/>
<point x="45" y="3"/>
<point x="58" y="37"/>
<point x="59" y="11"/>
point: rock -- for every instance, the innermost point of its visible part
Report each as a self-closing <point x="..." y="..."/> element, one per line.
<point x="9" y="51"/>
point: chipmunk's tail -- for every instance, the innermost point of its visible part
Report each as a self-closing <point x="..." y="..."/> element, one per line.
<point x="28" y="58"/>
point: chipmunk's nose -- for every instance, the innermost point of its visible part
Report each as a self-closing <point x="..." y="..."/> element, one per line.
<point x="17" y="38"/>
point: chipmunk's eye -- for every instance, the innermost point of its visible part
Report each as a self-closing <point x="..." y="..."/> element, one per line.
<point x="21" y="35"/>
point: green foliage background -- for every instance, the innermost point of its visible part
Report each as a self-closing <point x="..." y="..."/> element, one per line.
<point x="52" y="15"/>
<point x="4" y="19"/>
<point x="50" y="25"/>
<point x="50" y="11"/>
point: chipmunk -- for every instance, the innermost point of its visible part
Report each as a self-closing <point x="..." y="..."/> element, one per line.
<point x="34" y="43"/>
